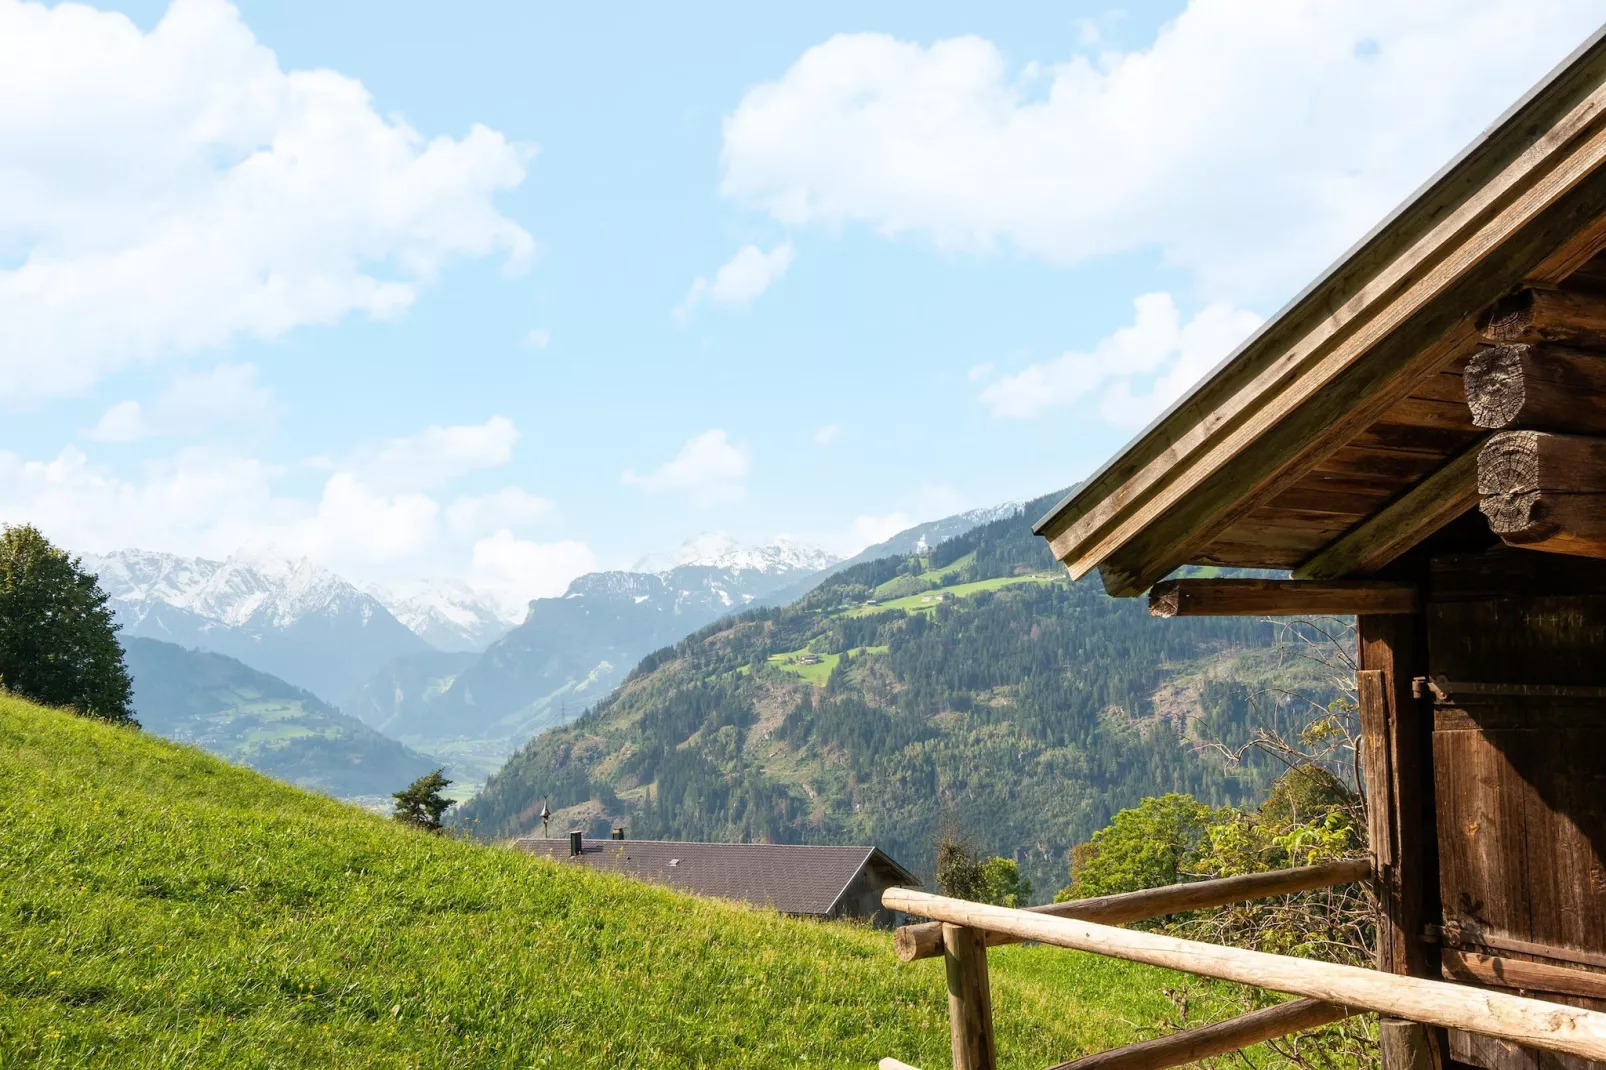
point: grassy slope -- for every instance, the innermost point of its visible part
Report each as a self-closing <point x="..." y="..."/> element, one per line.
<point x="160" y="908"/>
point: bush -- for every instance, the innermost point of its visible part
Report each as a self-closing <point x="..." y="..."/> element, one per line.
<point x="58" y="642"/>
<point x="1151" y="845"/>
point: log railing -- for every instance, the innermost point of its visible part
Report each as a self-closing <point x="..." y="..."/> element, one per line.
<point x="1330" y="989"/>
<point x="925" y="941"/>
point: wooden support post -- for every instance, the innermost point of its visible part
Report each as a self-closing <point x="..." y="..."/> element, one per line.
<point x="1404" y="1045"/>
<point x="1397" y="771"/>
<point x="924" y="940"/>
<point x="1235" y="1034"/>
<point x="970" y="999"/>
<point x="1280" y="598"/>
<point x="1527" y="386"/>
<point x="1545" y="492"/>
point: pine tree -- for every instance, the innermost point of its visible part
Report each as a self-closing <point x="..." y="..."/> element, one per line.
<point x="58" y="642"/>
<point x="422" y="804"/>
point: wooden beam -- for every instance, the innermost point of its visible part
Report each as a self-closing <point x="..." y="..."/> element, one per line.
<point x="1280" y="598"/>
<point x="1552" y="1026"/>
<point x="1473" y="968"/>
<point x="1552" y="388"/>
<point x="1235" y="1034"/>
<point x="1400" y="525"/>
<point x="924" y="941"/>
<point x="1543" y="314"/>
<point x="1545" y="492"/>
<point x="970" y="1000"/>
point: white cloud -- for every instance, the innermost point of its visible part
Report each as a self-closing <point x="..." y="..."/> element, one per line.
<point x="538" y="338"/>
<point x="165" y="192"/>
<point x="709" y="468"/>
<point x="510" y="507"/>
<point x="1135" y="371"/>
<point x="978" y="372"/>
<point x="740" y="280"/>
<point x="1250" y="142"/>
<point x="828" y="434"/>
<point x="437" y="455"/>
<point x="227" y="397"/>
<point x="210" y="502"/>
<point x="519" y="570"/>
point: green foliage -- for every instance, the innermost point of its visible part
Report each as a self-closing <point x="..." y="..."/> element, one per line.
<point x="421" y="803"/>
<point x="58" y="642"/>
<point x="1028" y="704"/>
<point x="1003" y="884"/>
<point x="962" y="874"/>
<point x="1153" y="844"/>
<point x="162" y="909"/>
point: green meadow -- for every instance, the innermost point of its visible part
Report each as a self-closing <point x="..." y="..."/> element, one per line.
<point x="161" y="908"/>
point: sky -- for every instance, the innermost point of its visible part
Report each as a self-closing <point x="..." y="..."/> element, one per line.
<point x="505" y="292"/>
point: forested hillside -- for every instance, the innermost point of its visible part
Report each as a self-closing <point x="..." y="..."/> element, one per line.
<point x="972" y="686"/>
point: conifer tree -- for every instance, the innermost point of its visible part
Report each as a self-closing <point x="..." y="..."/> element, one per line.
<point x="58" y="642"/>
<point x="422" y="804"/>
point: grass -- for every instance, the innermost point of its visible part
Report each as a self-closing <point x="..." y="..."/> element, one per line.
<point x="817" y="672"/>
<point x="928" y="600"/>
<point x="161" y="908"/>
<point x="902" y="585"/>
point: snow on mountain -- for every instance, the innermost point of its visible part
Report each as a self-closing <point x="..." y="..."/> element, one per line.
<point x="290" y="618"/>
<point x="715" y="549"/>
<point x="448" y="614"/>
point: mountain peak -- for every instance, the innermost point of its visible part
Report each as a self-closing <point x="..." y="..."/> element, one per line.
<point x="716" y="549"/>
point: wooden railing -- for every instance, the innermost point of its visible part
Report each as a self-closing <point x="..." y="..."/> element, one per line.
<point x="1331" y="990"/>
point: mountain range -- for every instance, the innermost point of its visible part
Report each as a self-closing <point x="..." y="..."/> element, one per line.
<point x="966" y="684"/>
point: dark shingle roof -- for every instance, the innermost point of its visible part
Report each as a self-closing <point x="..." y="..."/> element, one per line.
<point x="791" y="878"/>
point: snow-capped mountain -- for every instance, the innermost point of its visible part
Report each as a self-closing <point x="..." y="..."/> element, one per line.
<point x="447" y="614"/>
<point x="715" y="549"/>
<point x="289" y="618"/>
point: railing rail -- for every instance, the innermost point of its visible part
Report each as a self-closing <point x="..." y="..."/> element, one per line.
<point x="1529" y="1022"/>
<point x="924" y="941"/>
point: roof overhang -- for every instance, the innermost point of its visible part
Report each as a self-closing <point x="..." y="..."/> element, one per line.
<point x="1241" y="470"/>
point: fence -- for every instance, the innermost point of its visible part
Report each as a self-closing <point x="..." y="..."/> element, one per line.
<point x="962" y="931"/>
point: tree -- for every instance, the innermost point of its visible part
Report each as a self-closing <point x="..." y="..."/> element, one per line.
<point x="961" y="874"/>
<point x="1148" y="846"/>
<point x="422" y="804"/>
<point x="58" y="642"/>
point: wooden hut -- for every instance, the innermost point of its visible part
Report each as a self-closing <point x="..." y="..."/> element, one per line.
<point x="1419" y="439"/>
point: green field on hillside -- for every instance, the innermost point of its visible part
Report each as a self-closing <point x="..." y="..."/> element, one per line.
<point x="928" y="600"/>
<point x="160" y="908"/>
<point x="816" y="668"/>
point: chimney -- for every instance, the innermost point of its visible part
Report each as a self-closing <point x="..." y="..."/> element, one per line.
<point x="574" y="842"/>
<point x="618" y="832"/>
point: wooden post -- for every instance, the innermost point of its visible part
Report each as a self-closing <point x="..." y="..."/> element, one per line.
<point x="1396" y="738"/>
<point x="1404" y="1045"/>
<point x="970" y="999"/>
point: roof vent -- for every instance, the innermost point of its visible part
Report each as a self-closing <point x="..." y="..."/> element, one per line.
<point x="674" y="861"/>
<point x="574" y="842"/>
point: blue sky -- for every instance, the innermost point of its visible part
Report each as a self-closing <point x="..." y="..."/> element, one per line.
<point x="971" y="250"/>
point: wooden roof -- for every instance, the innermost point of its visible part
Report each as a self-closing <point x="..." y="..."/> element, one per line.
<point x="1338" y="436"/>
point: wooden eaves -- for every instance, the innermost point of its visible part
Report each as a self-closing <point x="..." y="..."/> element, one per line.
<point x="1339" y="436"/>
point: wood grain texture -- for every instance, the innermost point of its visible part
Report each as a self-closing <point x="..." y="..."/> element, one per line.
<point x="1540" y="387"/>
<point x="1507" y="972"/>
<point x="970" y="999"/>
<point x="1235" y="1034"/>
<point x="1544" y="491"/>
<point x="924" y="940"/>
<point x="1527" y="1021"/>
<point x="1422" y="510"/>
<point x="1280" y="598"/>
<point x="1547" y="314"/>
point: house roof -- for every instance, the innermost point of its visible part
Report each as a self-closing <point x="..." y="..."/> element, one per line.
<point x="1337" y="437"/>
<point x="791" y="878"/>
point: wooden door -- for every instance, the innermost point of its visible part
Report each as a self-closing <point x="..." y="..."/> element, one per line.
<point x="1517" y="655"/>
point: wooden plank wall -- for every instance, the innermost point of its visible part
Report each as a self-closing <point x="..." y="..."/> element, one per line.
<point x="1517" y="652"/>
